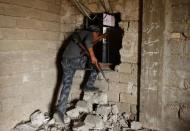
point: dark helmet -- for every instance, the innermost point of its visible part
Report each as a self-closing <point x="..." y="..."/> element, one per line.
<point x="94" y="28"/>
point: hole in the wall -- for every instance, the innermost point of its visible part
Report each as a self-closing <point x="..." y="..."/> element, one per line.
<point x="107" y="51"/>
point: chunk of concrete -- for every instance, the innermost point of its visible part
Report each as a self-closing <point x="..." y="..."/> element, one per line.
<point x="53" y="129"/>
<point x="74" y="113"/>
<point x="67" y="119"/>
<point x="83" y="106"/>
<point x="126" y="116"/>
<point x="123" y="123"/>
<point x="96" y="97"/>
<point x="94" y="122"/>
<point x="51" y="122"/>
<point x="104" y="111"/>
<point x="112" y="118"/>
<point x="115" y="109"/>
<point x="37" y="118"/>
<point x="136" y="125"/>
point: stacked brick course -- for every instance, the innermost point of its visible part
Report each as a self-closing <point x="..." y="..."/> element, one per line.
<point x="29" y="38"/>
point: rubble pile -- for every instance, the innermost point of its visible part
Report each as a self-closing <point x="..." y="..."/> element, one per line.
<point x="92" y="113"/>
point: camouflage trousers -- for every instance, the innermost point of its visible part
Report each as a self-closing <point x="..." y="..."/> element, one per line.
<point x="70" y="65"/>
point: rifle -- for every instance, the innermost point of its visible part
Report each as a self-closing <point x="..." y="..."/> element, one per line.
<point x="98" y="67"/>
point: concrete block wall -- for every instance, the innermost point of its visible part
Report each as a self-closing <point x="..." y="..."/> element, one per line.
<point x="31" y="33"/>
<point x="165" y="65"/>
<point x="176" y="87"/>
<point x="29" y="39"/>
<point x="122" y="88"/>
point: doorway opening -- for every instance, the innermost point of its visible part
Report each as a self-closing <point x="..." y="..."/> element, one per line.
<point x="107" y="51"/>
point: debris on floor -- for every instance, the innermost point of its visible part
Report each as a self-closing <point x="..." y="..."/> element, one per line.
<point x="92" y="113"/>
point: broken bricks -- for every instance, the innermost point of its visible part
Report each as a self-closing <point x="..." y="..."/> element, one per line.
<point x="104" y="117"/>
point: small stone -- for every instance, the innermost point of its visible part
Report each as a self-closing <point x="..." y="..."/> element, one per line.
<point x="67" y="119"/>
<point x="53" y="129"/>
<point x="136" y="125"/>
<point x="126" y="116"/>
<point x="103" y="111"/>
<point x="115" y="109"/>
<point x="83" y="106"/>
<point x="37" y="118"/>
<point x="74" y="113"/>
<point x="94" y="122"/>
<point x="112" y="118"/>
<point x="123" y="123"/>
<point x="51" y="122"/>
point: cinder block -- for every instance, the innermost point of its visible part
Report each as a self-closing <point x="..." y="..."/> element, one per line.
<point x="8" y="45"/>
<point x="101" y="84"/>
<point x="129" y="52"/>
<point x="37" y="25"/>
<point x="13" y="34"/>
<point x="50" y="26"/>
<point x="47" y="16"/>
<point x="126" y="98"/>
<point x="113" y="96"/>
<point x="13" y="10"/>
<point x="124" y="78"/>
<point x="118" y="87"/>
<point x="124" y="107"/>
<point x="27" y="45"/>
<point x="38" y="4"/>
<point x="27" y="3"/>
<point x="125" y="58"/>
<point x="54" y="8"/>
<point x="10" y="57"/>
<point x="112" y="76"/>
<point x="34" y="14"/>
<point x="124" y="68"/>
<point x="41" y="35"/>
<point x="7" y="21"/>
<point x="26" y="23"/>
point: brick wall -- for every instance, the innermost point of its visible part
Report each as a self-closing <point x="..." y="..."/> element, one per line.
<point x="31" y="34"/>
<point x="29" y="38"/>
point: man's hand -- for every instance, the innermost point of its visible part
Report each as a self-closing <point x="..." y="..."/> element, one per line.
<point x="94" y="60"/>
<point x="99" y="38"/>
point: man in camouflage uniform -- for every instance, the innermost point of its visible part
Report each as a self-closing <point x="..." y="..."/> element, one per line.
<point x="74" y="58"/>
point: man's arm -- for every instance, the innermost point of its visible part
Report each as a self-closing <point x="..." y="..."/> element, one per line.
<point x="92" y="56"/>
